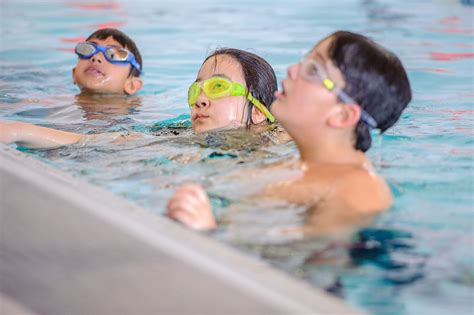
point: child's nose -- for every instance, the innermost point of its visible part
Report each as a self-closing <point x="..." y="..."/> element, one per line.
<point x="202" y="100"/>
<point x="99" y="58"/>
<point x="292" y="71"/>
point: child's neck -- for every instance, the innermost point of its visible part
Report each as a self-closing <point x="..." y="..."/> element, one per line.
<point x="85" y="93"/>
<point x="330" y="152"/>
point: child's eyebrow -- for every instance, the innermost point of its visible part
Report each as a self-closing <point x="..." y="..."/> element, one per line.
<point x="119" y="46"/>
<point x="321" y="60"/>
<point x="319" y="57"/>
<point x="215" y="75"/>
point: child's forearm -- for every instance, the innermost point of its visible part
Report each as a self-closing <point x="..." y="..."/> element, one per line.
<point x="35" y="137"/>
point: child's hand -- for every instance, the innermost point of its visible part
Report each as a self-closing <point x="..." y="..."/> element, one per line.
<point x="190" y="206"/>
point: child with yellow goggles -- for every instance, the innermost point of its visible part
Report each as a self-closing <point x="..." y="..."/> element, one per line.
<point x="218" y="87"/>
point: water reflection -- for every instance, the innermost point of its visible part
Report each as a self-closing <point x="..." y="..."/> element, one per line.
<point x="106" y="107"/>
<point x="82" y="113"/>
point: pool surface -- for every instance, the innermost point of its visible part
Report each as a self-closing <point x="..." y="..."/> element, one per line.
<point x="417" y="258"/>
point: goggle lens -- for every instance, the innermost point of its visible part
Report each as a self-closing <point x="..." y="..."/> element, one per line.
<point x="116" y="54"/>
<point x="311" y="71"/>
<point x="193" y="93"/>
<point x="85" y="49"/>
<point x="216" y="87"/>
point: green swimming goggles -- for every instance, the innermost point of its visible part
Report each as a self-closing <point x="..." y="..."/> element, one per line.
<point x="217" y="87"/>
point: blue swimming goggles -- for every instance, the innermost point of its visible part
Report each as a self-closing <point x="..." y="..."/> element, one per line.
<point x="311" y="70"/>
<point x="113" y="54"/>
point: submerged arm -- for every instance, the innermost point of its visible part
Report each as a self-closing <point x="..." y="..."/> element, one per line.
<point x="36" y="137"/>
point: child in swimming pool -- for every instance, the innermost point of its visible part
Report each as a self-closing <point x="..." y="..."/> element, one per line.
<point x="109" y="62"/>
<point x="232" y="90"/>
<point x="345" y="86"/>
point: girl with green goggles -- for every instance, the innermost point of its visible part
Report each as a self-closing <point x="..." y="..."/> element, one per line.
<point x="217" y="87"/>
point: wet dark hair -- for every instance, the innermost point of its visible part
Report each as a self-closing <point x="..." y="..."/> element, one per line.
<point x="123" y="40"/>
<point x="258" y="74"/>
<point x="374" y="78"/>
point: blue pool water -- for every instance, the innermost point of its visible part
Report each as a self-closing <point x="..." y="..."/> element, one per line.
<point x="417" y="258"/>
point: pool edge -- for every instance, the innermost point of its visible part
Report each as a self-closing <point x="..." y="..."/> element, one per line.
<point x="268" y="287"/>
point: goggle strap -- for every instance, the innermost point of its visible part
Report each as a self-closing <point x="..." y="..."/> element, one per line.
<point x="261" y="107"/>
<point x="135" y="65"/>
<point x="343" y="96"/>
<point x="364" y="116"/>
<point x="368" y="119"/>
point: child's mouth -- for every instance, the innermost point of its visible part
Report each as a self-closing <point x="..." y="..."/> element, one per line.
<point x="93" y="70"/>
<point x="200" y="117"/>
<point x="280" y="93"/>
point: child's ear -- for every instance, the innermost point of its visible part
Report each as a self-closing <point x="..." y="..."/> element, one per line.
<point x="74" y="75"/>
<point x="132" y="85"/>
<point x="257" y="116"/>
<point x="344" y="115"/>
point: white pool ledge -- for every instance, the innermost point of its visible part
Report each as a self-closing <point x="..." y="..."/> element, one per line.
<point x="68" y="247"/>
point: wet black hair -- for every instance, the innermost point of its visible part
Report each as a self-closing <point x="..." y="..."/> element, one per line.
<point x="259" y="76"/>
<point x="123" y="40"/>
<point x="374" y="78"/>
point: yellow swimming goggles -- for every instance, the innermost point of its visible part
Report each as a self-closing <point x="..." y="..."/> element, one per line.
<point x="217" y="87"/>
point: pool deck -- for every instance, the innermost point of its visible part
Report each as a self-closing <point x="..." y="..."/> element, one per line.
<point x="68" y="247"/>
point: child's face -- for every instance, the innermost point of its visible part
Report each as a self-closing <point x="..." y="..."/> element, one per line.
<point x="98" y="75"/>
<point x="302" y="102"/>
<point x="225" y="112"/>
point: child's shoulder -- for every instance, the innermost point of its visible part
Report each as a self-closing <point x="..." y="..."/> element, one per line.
<point x="362" y="189"/>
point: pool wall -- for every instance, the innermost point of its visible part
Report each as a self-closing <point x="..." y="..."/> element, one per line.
<point x="68" y="247"/>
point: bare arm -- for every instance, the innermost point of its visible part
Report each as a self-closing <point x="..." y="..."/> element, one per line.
<point x="36" y="137"/>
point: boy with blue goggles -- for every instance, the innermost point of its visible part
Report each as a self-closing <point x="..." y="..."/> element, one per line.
<point x="109" y="63"/>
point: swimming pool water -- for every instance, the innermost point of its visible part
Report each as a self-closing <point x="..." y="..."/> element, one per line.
<point x="417" y="258"/>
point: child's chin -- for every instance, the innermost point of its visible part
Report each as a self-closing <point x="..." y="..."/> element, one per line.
<point x="201" y="128"/>
<point x="276" y="107"/>
<point x="100" y="90"/>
